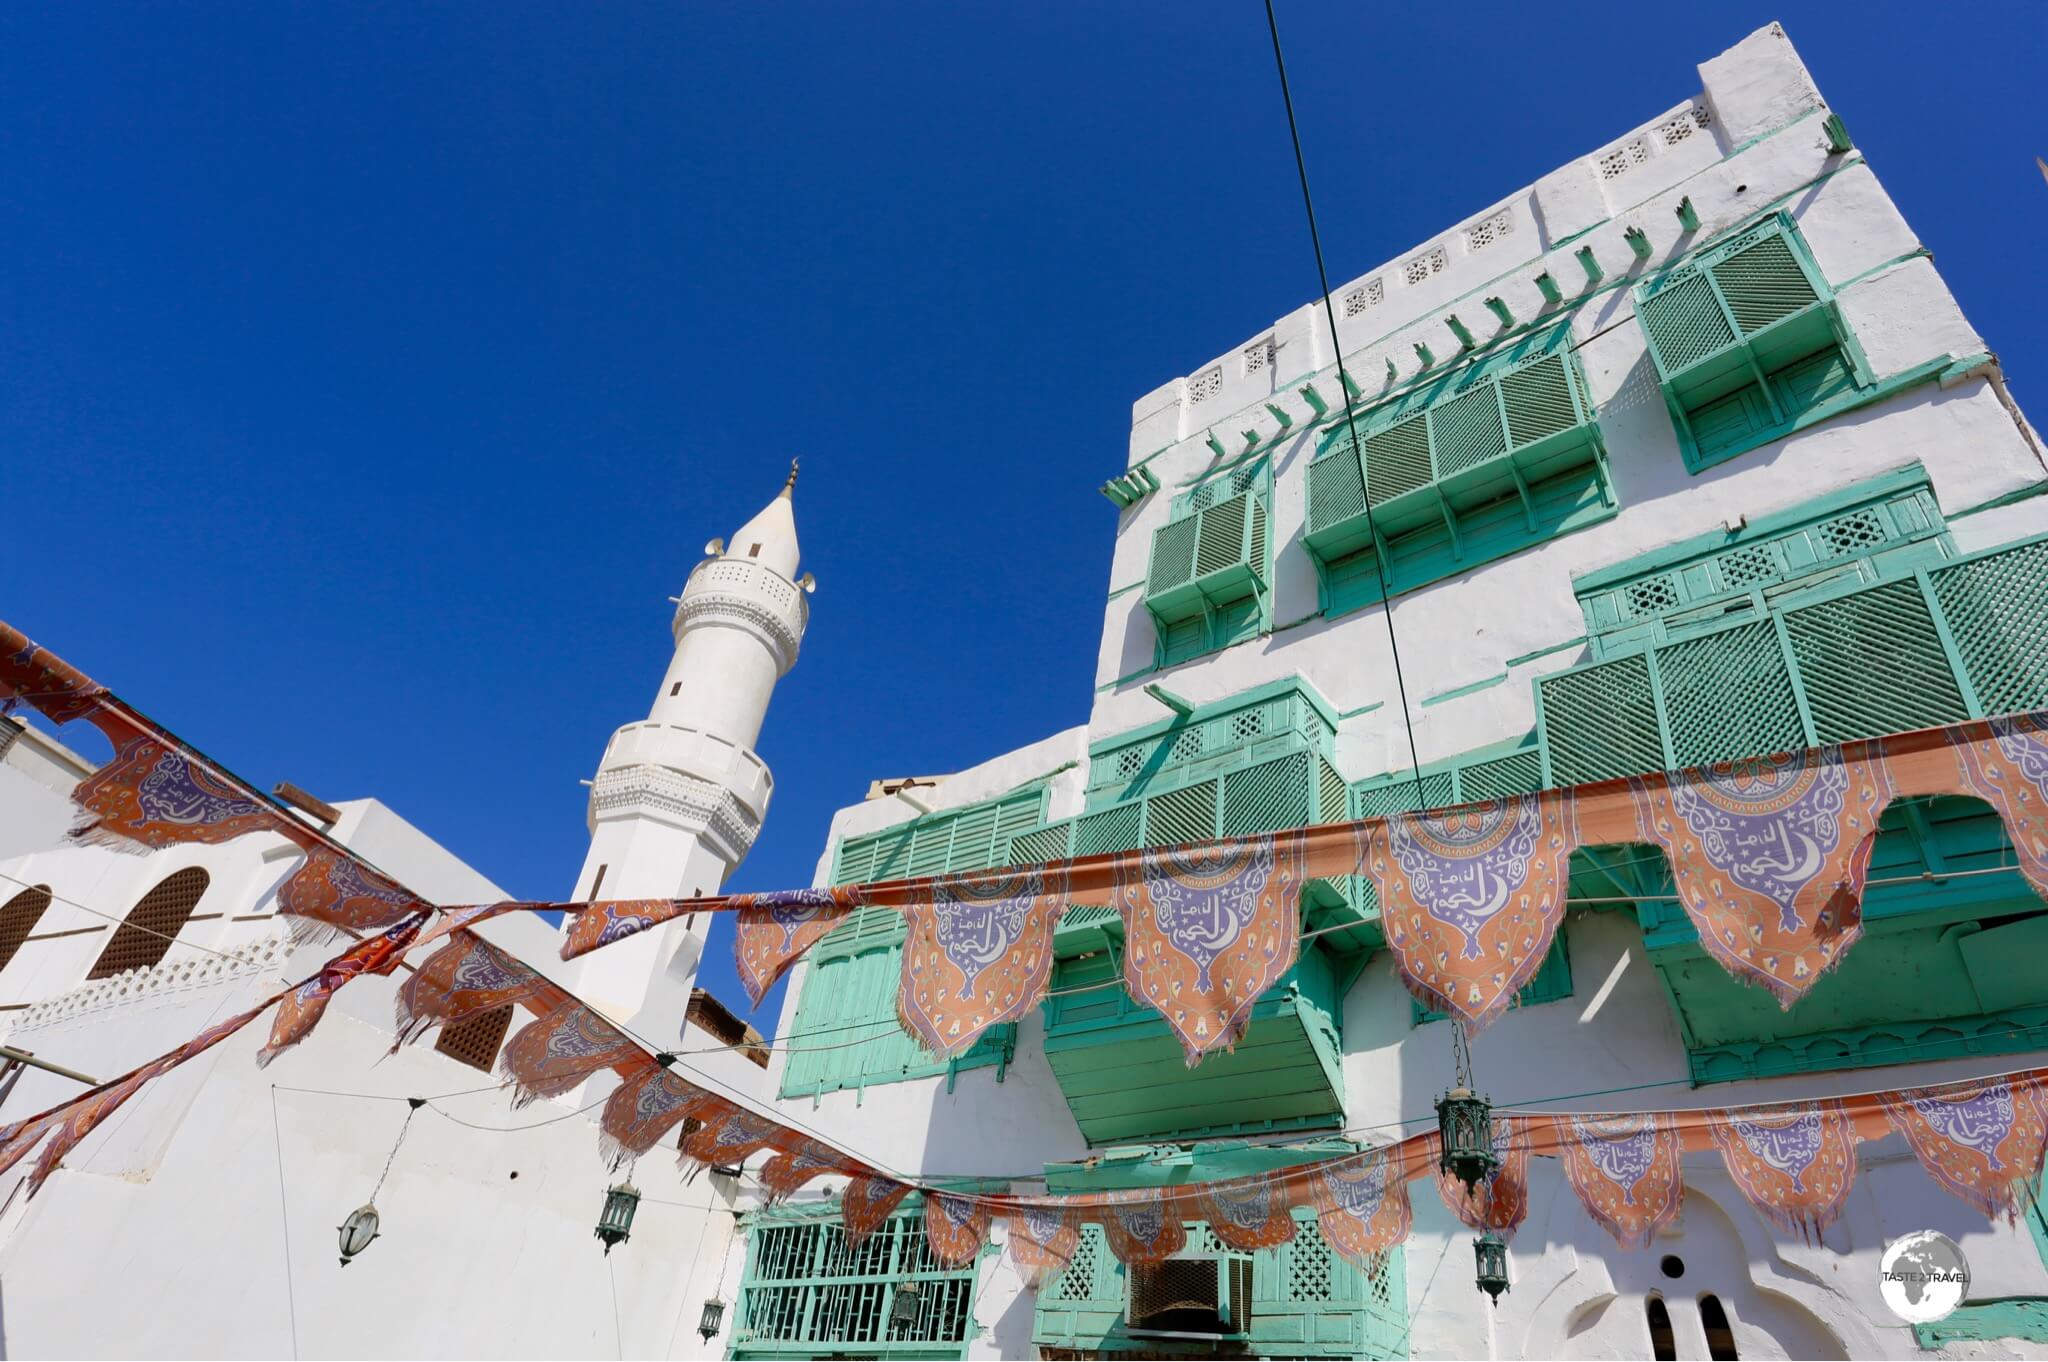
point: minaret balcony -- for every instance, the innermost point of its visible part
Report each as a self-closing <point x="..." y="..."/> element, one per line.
<point x="735" y="591"/>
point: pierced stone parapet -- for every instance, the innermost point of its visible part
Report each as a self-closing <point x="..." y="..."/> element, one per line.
<point x="747" y="595"/>
<point x="186" y="973"/>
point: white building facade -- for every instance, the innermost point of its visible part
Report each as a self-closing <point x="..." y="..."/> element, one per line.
<point x="200" y="1220"/>
<point x="1683" y="453"/>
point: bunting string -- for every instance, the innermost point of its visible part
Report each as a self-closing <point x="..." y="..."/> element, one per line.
<point x="1768" y="857"/>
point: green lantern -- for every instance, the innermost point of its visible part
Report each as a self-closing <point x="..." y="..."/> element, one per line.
<point x="1492" y="1252"/>
<point x="1464" y="1124"/>
<point x="615" y="1222"/>
<point x="903" y="1310"/>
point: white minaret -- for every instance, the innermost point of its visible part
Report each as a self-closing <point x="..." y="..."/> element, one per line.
<point x="679" y="797"/>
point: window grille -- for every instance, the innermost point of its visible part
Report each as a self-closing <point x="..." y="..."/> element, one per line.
<point x="1903" y="513"/>
<point x="1506" y="446"/>
<point x="1676" y="130"/>
<point x="1921" y="647"/>
<point x="1367" y="295"/>
<point x="19" y="918"/>
<point x="475" y="1040"/>
<point x="1258" y="356"/>
<point x="1624" y="158"/>
<point x="804" y="1286"/>
<point x="1209" y="581"/>
<point x="1206" y="384"/>
<point x="1431" y="261"/>
<point x="142" y="940"/>
<point x="1484" y="233"/>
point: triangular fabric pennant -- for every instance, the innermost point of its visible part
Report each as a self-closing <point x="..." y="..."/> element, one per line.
<point x="772" y="931"/>
<point x="1470" y="898"/>
<point x="1625" y="1170"/>
<point x="1207" y="930"/>
<point x="1795" y="1164"/>
<point x="2004" y="762"/>
<point x="955" y="1227"/>
<point x="1769" y="855"/>
<point x="552" y="1055"/>
<point x="1982" y="1140"/>
<point x="1362" y="1202"/>
<point x="977" y="953"/>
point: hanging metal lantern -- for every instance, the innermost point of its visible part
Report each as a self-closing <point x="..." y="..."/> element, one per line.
<point x="903" y="1311"/>
<point x="615" y="1222"/>
<point x="357" y="1231"/>
<point x="1464" y="1124"/>
<point x="713" y="1319"/>
<point x="1492" y="1252"/>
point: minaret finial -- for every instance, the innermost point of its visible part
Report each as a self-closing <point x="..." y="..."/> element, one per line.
<point x="790" y="486"/>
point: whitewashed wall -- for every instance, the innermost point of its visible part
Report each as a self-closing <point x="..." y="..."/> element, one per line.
<point x="1751" y="137"/>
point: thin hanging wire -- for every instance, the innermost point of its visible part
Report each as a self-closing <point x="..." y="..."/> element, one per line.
<point x="1315" y="238"/>
<point x="392" y="1157"/>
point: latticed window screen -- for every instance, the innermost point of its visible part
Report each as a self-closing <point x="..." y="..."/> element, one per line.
<point x="19" y="918"/>
<point x="1925" y="648"/>
<point x="804" y="1286"/>
<point x="147" y="933"/>
<point x="1873" y="664"/>
<point x="846" y="1014"/>
<point x="1898" y="525"/>
<point x="1994" y="611"/>
<point x="1208" y="583"/>
<point x="475" y="1041"/>
<point x="1601" y="722"/>
<point x="1746" y="338"/>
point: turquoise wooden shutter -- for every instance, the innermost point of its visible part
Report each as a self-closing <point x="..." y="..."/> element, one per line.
<point x="1729" y="695"/>
<point x="1993" y="607"/>
<point x="1600" y="722"/>
<point x="1873" y="664"/>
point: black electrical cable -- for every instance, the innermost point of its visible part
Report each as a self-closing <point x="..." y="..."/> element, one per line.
<point x="1315" y="238"/>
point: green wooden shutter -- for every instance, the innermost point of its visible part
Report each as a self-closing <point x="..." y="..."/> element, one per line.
<point x="1993" y="605"/>
<point x="1873" y="664"/>
<point x="1600" y="722"/>
<point x="1270" y="796"/>
<point x="1729" y="695"/>
<point x="1184" y="815"/>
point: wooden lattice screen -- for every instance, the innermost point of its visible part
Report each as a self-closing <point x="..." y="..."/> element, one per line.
<point x="141" y="941"/>
<point x="19" y="918"/>
<point x="475" y="1042"/>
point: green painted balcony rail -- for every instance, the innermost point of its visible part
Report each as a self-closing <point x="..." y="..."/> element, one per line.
<point x="807" y="1294"/>
<point x="1926" y="647"/>
<point x="1279" y="717"/>
<point x="1860" y="533"/>
<point x="1746" y="337"/>
<point x="1483" y="462"/>
<point x="1306" y="1300"/>
<point x="1210" y="579"/>
<point x="847" y="1007"/>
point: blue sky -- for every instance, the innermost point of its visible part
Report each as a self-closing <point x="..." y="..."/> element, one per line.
<point x="370" y="375"/>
